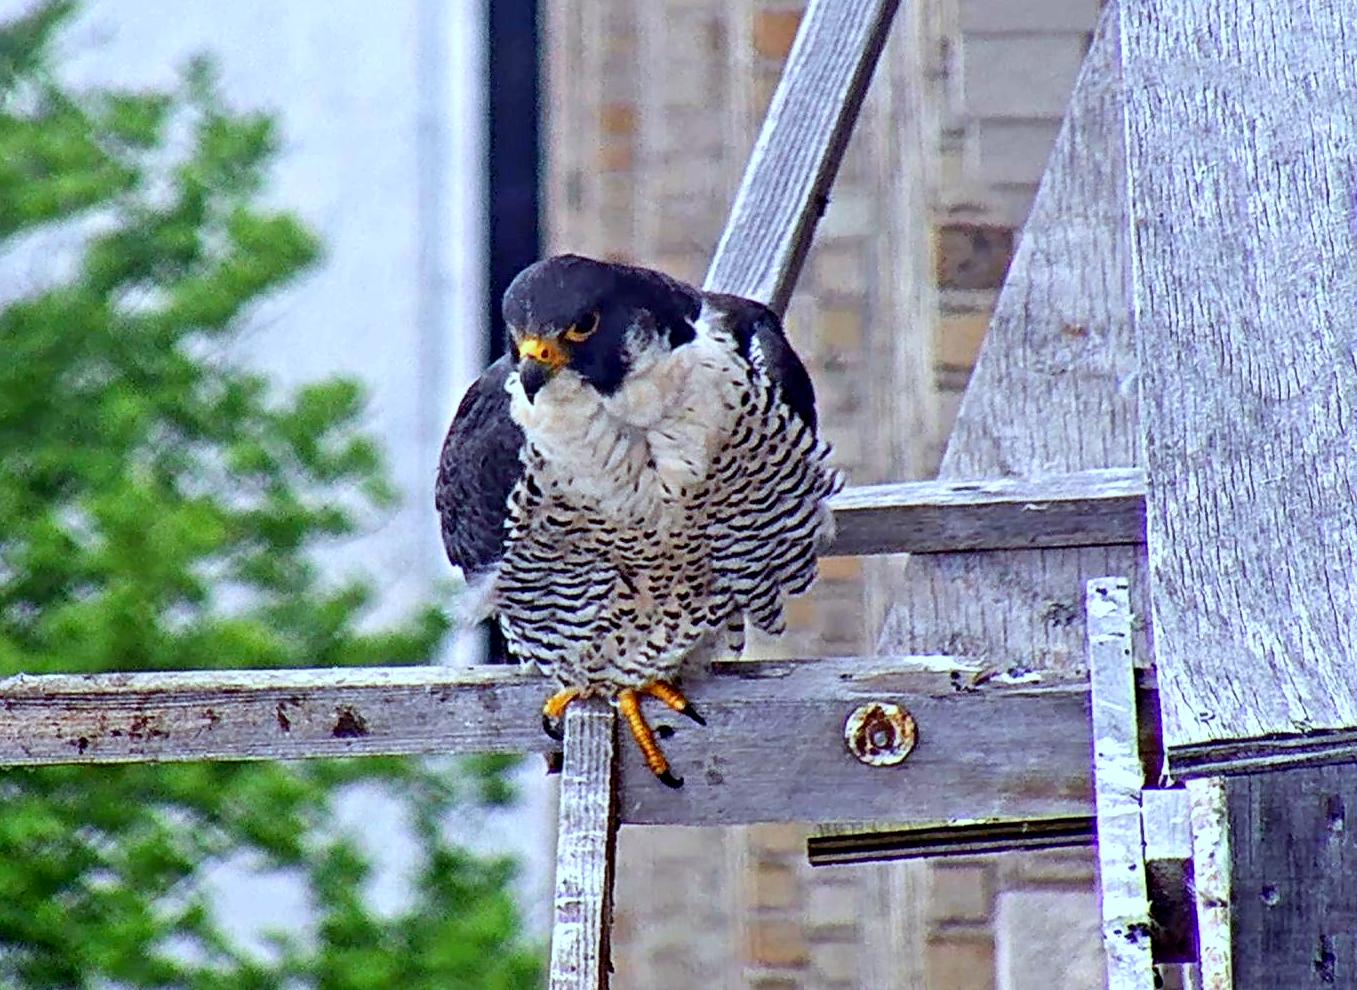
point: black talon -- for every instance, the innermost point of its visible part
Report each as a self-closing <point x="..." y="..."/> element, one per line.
<point x="691" y="712"/>
<point x="664" y="731"/>
<point x="552" y="729"/>
<point x="669" y="780"/>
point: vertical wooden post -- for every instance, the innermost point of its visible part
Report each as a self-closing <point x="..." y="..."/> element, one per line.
<point x="1211" y="880"/>
<point x="586" y="845"/>
<point x="1118" y="778"/>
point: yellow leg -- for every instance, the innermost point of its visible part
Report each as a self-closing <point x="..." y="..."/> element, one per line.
<point x="554" y="710"/>
<point x="629" y="704"/>
<point x="674" y="698"/>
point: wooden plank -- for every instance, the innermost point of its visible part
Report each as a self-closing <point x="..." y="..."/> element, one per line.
<point x="1293" y="877"/>
<point x="1211" y="880"/>
<point x="773" y="748"/>
<point x="776" y="753"/>
<point x="1089" y="508"/>
<point x="1242" y="130"/>
<point x="586" y="849"/>
<point x="1054" y="391"/>
<point x="1117" y="781"/>
<point x="785" y="188"/>
<point x="268" y="714"/>
<point x="1166" y="824"/>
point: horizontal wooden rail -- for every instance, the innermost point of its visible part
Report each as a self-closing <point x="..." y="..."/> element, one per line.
<point x="773" y="748"/>
<point x="1090" y="508"/>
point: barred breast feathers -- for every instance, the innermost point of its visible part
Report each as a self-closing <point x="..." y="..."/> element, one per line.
<point x="658" y="519"/>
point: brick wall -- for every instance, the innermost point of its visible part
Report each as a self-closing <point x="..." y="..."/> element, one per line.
<point x="652" y="108"/>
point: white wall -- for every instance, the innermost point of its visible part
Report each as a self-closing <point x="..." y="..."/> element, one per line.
<point x="379" y="108"/>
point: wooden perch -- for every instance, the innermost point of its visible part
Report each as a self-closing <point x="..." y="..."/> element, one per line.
<point x="773" y="748"/>
<point x="1085" y="509"/>
<point x="586" y="841"/>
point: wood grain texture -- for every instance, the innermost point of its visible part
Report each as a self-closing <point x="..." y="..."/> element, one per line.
<point x="1166" y="823"/>
<point x="1211" y="880"/>
<point x="785" y="188"/>
<point x="268" y="714"/>
<point x="1090" y="508"/>
<point x="1242" y="137"/>
<point x="774" y="753"/>
<point x="1053" y="391"/>
<point x="1117" y="779"/>
<point x="1293" y="874"/>
<point x="773" y="748"/>
<point x="586" y="847"/>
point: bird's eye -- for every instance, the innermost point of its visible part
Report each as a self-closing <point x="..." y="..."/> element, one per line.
<point x="583" y="330"/>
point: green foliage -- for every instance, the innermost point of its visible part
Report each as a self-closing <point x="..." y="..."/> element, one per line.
<point x="158" y="510"/>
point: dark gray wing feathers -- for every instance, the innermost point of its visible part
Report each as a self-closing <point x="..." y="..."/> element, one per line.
<point x="479" y="467"/>
<point x="752" y="322"/>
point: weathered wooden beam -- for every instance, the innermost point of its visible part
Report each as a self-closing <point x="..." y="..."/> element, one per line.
<point x="786" y="185"/>
<point x="1085" y="509"/>
<point x="1232" y="757"/>
<point x="1117" y="781"/>
<point x="786" y="760"/>
<point x="1054" y="390"/>
<point x="773" y="748"/>
<point x="586" y="848"/>
<point x="1211" y="881"/>
<point x="268" y="714"/>
<point x="1242" y="127"/>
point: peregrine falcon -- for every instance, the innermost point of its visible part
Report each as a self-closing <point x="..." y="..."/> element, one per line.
<point x="634" y="482"/>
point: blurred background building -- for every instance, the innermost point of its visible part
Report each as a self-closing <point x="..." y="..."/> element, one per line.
<point x="648" y="110"/>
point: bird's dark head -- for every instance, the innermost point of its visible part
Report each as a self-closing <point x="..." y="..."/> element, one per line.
<point x="592" y="317"/>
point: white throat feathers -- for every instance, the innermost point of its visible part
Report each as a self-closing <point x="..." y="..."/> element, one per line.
<point x="635" y="451"/>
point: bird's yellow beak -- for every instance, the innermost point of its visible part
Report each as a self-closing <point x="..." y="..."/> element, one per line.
<point x="544" y="352"/>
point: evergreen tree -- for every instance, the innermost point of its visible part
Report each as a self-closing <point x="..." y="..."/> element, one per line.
<point x="159" y="508"/>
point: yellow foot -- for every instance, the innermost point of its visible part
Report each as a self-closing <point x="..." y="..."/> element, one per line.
<point x="674" y="698"/>
<point x="629" y="704"/>
<point x="554" y="710"/>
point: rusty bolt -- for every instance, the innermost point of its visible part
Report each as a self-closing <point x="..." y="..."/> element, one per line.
<point x="880" y="734"/>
